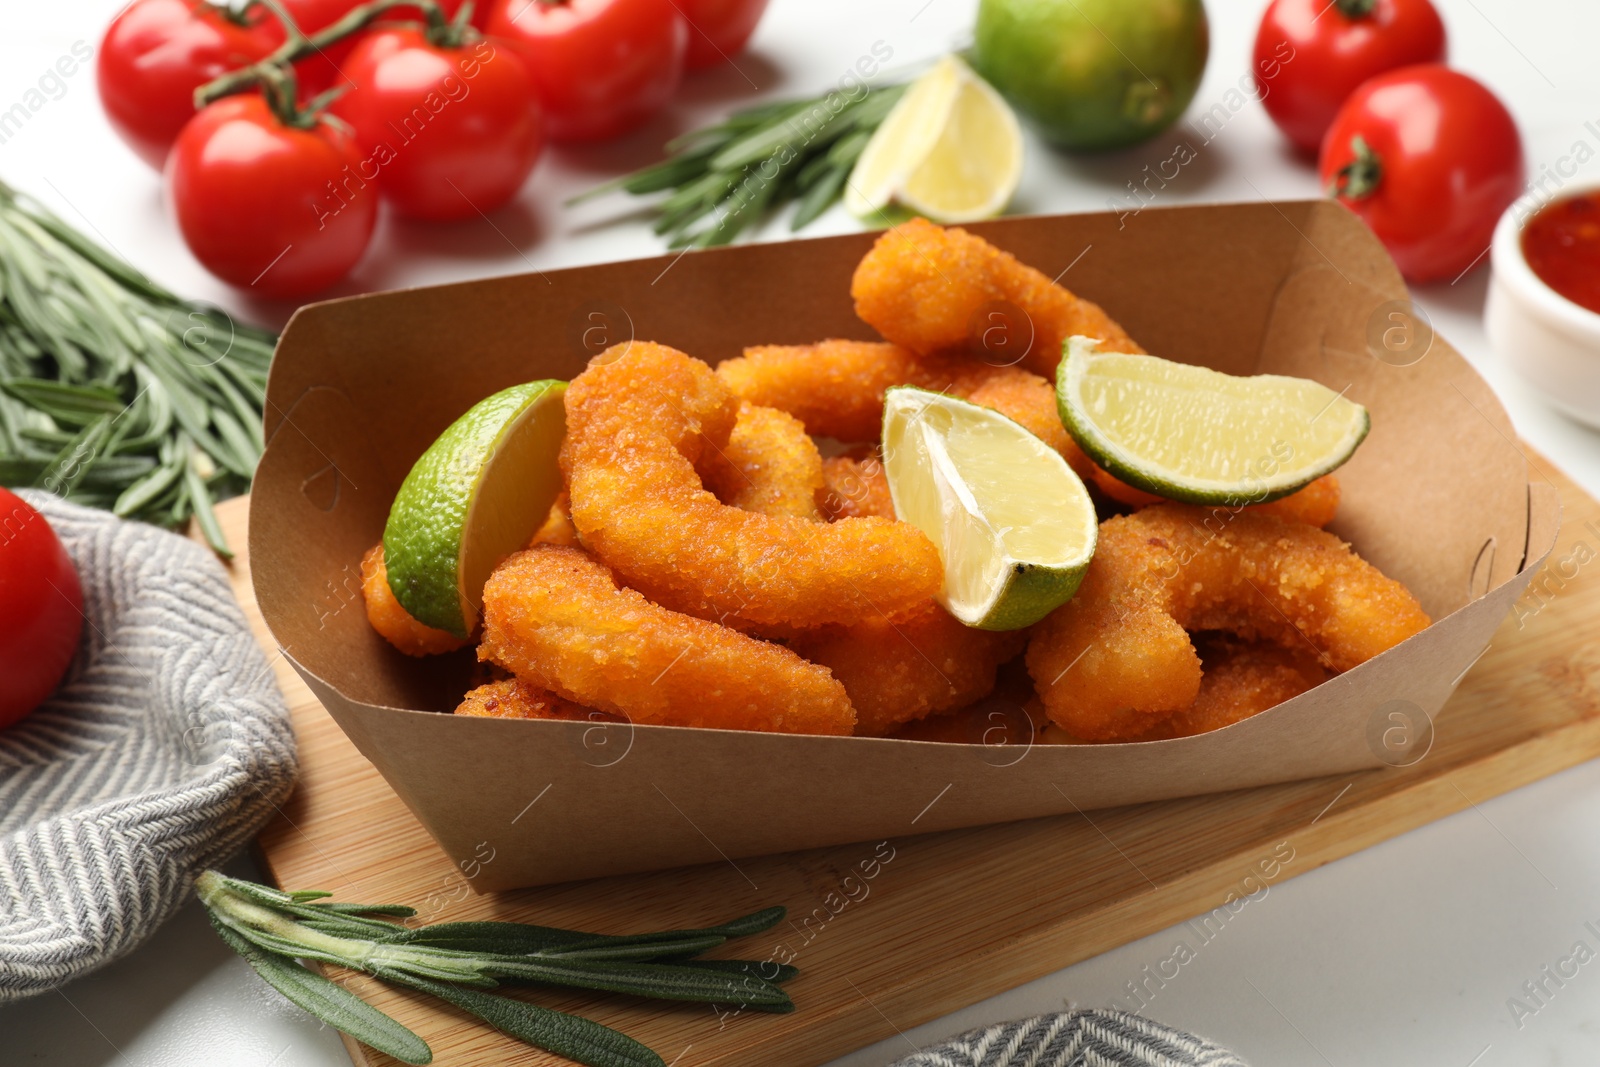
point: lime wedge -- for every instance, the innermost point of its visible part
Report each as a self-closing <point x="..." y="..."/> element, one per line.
<point x="474" y="497"/>
<point x="950" y="149"/>
<point x="1201" y="436"/>
<point x="1013" y="524"/>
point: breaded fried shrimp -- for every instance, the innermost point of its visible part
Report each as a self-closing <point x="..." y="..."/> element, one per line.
<point x="1244" y="679"/>
<point x="1116" y="658"/>
<point x="855" y="486"/>
<point x="898" y="670"/>
<point x="923" y="287"/>
<point x="770" y="465"/>
<point x="1315" y="504"/>
<point x="834" y="387"/>
<point x="514" y="698"/>
<point x="638" y="420"/>
<point x="557" y="619"/>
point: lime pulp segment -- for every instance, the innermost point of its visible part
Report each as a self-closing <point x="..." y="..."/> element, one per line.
<point x="1013" y="524"/>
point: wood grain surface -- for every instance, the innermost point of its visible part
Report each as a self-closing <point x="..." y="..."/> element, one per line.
<point x="889" y="935"/>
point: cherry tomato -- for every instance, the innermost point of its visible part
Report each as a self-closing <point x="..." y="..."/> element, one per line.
<point x="452" y="131"/>
<point x="156" y="53"/>
<point x="1429" y="159"/>
<point x="718" y="29"/>
<point x="1311" y="54"/>
<point x="275" y="208"/>
<point x="41" y="609"/>
<point x="601" y="67"/>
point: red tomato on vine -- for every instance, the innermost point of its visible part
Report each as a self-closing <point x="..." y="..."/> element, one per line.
<point x="718" y="29"/>
<point x="1311" y="54"/>
<point x="269" y="199"/>
<point x="446" y="131"/>
<point x="156" y="53"/>
<point x="601" y="67"/>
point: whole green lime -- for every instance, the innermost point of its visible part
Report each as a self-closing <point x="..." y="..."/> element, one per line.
<point x="1092" y="74"/>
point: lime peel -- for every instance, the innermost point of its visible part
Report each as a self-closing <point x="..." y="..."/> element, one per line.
<point x="475" y="496"/>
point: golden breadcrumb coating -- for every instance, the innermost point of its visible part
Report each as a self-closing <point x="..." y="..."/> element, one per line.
<point x="856" y="487"/>
<point x="925" y="288"/>
<point x="898" y="670"/>
<point x="1116" y="658"/>
<point x="557" y="619"/>
<point x="638" y="420"/>
<point x="770" y="465"/>
<point x="1315" y="504"/>
<point x="834" y="387"/>
<point x="513" y="698"/>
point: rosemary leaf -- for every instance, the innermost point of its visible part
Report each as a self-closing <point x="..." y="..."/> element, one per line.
<point x="554" y="1031"/>
<point x="453" y="961"/>
<point x="662" y="981"/>
<point x="739" y="170"/>
<point x="330" y="1002"/>
<point x="767" y="971"/>
<point x="113" y="392"/>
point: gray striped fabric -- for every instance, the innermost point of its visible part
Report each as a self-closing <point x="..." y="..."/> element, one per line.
<point x="1083" y="1038"/>
<point x="166" y="748"/>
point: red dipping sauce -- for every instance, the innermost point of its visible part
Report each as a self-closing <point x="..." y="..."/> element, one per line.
<point x="1562" y="245"/>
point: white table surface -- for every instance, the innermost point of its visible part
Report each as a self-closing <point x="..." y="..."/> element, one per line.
<point x="1406" y="953"/>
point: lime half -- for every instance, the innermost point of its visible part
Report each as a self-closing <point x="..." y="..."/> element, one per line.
<point x="1013" y="524"/>
<point x="474" y="497"/>
<point x="950" y="149"/>
<point x="1201" y="436"/>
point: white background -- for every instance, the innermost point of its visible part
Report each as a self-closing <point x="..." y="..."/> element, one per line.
<point x="1403" y="954"/>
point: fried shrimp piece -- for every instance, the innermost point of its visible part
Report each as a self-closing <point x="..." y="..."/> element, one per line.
<point x="1115" y="659"/>
<point x="1243" y="679"/>
<point x="557" y="528"/>
<point x="638" y="420"/>
<point x="834" y="387"/>
<point x="770" y="464"/>
<point x="898" y="670"/>
<point x="855" y="487"/>
<point x="391" y="620"/>
<point x="925" y="287"/>
<point x="1315" y="504"/>
<point x="557" y="619"/>
<point x="514" y="698"/>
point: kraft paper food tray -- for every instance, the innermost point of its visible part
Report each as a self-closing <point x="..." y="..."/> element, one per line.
<point x="1437" y="497"/>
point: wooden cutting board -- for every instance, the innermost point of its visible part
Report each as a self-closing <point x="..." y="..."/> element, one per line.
<point x="947" y="919"/>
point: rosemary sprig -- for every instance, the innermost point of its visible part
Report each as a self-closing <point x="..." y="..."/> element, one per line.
<point x="114" y="392"/>
<point x="455" y="962"/>
<point x="724" y="178"/>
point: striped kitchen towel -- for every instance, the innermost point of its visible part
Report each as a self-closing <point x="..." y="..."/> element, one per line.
<point x="165" y="749"/>
<point x="1082" y="1038"/>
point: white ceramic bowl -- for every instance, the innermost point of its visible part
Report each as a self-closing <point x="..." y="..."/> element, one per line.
<point x="1551" y="341"/>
